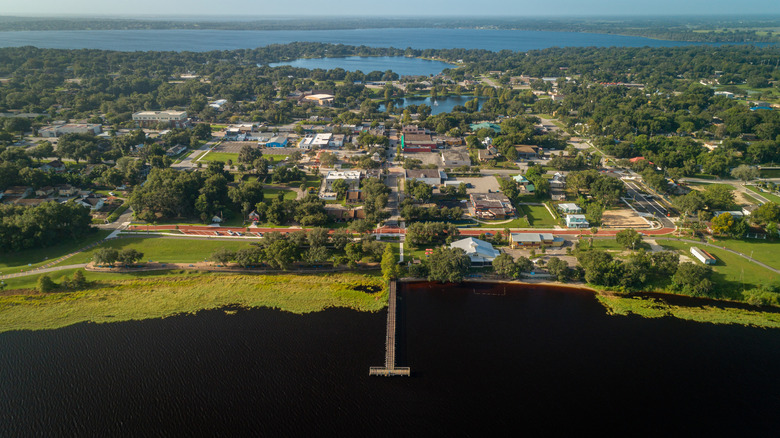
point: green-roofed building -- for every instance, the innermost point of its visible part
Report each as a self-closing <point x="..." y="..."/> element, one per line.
<point x="477" y="126"/>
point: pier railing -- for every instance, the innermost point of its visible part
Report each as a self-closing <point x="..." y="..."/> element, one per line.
<point x="390" y="343"/>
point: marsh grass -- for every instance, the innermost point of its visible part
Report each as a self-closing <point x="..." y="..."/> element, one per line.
<point x="123" y="297"/>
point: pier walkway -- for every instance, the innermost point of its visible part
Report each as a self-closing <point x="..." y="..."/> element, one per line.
<point x="390" y="369"/>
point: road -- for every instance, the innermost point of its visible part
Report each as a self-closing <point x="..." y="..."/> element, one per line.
<point x="188" y="163"/>
<point x="738" y="186"/>
<point x="643" y="204"/>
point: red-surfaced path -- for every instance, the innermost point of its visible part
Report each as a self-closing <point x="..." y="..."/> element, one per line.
<point x="202" y="230"/>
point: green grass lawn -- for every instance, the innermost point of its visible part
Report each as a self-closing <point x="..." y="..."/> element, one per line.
<point x="764" y="251"/>
<point x="271" y="194"/>
<point x="221" y="156"/>
<point x="275" y="158"/>
<point x="767" y="195"/>
<point x="14" y="262"/>
<point x="160" y="249"/>
<point x="514" y="223"/>
<point x="750" y="199"/>
<point x="770" y="173"/>
<point x="538" y="216"/>
<point x="731" y="271"/>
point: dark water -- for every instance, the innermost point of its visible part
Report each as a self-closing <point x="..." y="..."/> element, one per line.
<point x="443" y="104"/>
<point x="205" y="40"/>
<point x="399" y="64"/>
<point x="532" y="361"/>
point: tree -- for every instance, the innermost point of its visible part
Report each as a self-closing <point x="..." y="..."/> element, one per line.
<point x="78" y="281"/>
<point x="628" y="239"/>
<point x="129" y="256"/>
<point x="722" y="223"/>
<point x="223" y="256"/>
<point x="249" y="154"/>
<point x="316" y="254"/>
<point x="45" y="284"/>
<point x="744" y="173"/>
<point x="766" y="213"/>
<point x="693" y="279"/>
<point x="504" y="265"/>
<point x="317" y="236"/>
<point x="390" y="269"/>
<point x="448" y="265"/>
<point x="340" y="239"/>
<point x="105" y="256"/>
<point x="558" y="268"/>
<point x="340" y="188"/>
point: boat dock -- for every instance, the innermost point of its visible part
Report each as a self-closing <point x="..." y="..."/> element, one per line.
<point x="390" y="369"/>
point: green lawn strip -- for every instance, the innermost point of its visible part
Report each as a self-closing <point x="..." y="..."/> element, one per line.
<point x="160" y="249"/>
<point x="656" y="308"/>
<point x="538" y="216"/>
<point x="15" y="262"/>
<point x="767" y="195"/>
<point x="731" y="272"/>
<point x="767" y="252"/>
<point x="520" y="222"/>
<point x="750" y="199"/>
<point x="221" y="156"/>
<point x="125" y="297"/>
<point x="271" y="194"/>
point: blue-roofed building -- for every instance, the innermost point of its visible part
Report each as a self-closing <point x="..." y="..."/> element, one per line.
<point x="479" y="251"/>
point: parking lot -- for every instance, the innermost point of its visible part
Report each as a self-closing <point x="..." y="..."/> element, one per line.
<point x="480" y="185"/>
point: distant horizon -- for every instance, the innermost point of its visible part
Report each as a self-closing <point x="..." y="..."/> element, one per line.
<point x="265" y="17"/>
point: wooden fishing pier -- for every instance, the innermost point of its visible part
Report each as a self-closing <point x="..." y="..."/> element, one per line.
<point x="390" y="369"/>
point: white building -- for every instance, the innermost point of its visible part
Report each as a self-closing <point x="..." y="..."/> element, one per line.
<point x="569" y="208"/>
<point x="455" y="158"/>
<point x="576" y="221"/>
<point x="351" y="177"/>
<point x="319" y="140"/>
<point x="479" y="251"/>
<point x="176" y="119"/>
<point x="432" y="177"/>
<point x="70" y="128"/>
<point x="703" y="256"/>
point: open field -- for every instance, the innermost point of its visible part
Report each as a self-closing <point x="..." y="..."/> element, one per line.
<point x="732" y="273"/>
<point x="233" y="146"/>
<point x="538" y="216"/>
<point x="764" y="251"/>
<point x="520" y="222"/>
<point x="271" y="194"/>
<point x="221" y="156"/>
<point x="125" y="297"/>
<point x="622" y="218"/>
<point x="161" y="249"/>
<point x="32" y="258"/>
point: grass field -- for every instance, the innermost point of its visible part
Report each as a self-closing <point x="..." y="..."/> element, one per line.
<point x="161" y="249"/>
<point x="761" y="250"/>
<point x="538" y="216"/>
<point x="32" y="258"/>
<point x="270" y="194"/>
<point x="125" y="297"/>
<point x="221" y="156"/>
<point x="732" y="273"/>
<point x="767" y="195"/>
<point x="770" y="173"/>
<point x="514" y="223"/>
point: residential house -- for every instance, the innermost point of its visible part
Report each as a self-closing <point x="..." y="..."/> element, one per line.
<point x="524" y="184"/>
<point x="558" y="181"/>
<point x="92" y="203"/>
<point x="488" y="154"/>
<point x="569" y="208"/>
<point x="354" y="197"/>
<point x="44" y="192"/>
<point x="491" y="206"/>
<point x="56" y="166"/>
<point x="66" y="190"/>
<point x="576" y="221"/>
<point x="432" y="177"/>
<point x="175" y="150"/>
<point x="17" y="192"/>
<point x="479" y="251"/>
<point x="342" y="214"/>
<point x="527" y="152"/>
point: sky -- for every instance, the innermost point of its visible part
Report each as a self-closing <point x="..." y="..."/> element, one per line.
<point x="244" y="8"/>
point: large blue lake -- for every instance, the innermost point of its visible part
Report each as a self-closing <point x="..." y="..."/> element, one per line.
<point x="401" y="65"/>
<point x="205" y="40"/>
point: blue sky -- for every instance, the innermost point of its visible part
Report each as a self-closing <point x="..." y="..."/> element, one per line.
<point x="260" y="8"/>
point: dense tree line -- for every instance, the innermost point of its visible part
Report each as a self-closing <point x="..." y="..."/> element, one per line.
<point x="48" y="224"/>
